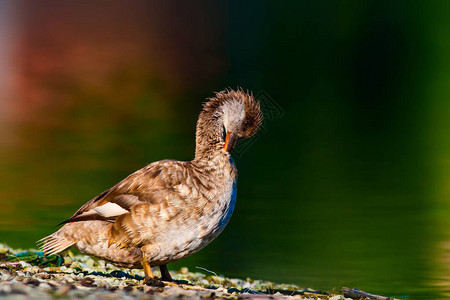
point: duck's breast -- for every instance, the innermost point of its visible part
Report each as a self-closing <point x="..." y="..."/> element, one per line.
<point x="193" y="229"/>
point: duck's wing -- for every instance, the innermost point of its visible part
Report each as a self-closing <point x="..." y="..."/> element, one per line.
<point x="147" y="185"/>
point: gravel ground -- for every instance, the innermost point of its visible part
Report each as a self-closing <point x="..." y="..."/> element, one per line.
<point x="29" y="275"/>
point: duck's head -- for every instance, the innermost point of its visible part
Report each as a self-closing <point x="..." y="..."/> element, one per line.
<point x="241" y="116"/>
<point x="227" y="117"/>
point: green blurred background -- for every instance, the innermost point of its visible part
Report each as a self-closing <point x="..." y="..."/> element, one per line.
<point x="350" y="186"/>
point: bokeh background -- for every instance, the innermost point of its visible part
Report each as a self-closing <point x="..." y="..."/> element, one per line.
<point x="348" y="185"/>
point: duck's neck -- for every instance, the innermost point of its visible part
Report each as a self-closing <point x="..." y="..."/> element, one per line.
<point x="209" y="133"/>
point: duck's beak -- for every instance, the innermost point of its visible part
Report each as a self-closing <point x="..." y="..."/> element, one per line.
<point x="230" y="141"/>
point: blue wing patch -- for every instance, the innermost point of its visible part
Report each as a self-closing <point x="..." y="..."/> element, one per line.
<point x="229" y="212"/>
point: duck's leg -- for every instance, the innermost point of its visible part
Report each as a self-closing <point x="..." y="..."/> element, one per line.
<point x="149" y="278"/>
<point x="147" y="269"/>
<point x="165" y="275"/>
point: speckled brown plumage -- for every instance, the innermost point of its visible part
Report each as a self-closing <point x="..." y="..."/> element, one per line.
<point x="168" y="209"/>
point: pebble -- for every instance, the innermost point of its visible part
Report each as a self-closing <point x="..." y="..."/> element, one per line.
<point x="337" y="297"/>
<point x="64" y="289"/>
<point x="46" y="286"/>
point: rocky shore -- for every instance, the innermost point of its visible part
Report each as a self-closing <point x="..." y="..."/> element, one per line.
<point x="30" y="275"/>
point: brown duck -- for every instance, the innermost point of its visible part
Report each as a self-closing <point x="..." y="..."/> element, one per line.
<point x="168" y="209"/>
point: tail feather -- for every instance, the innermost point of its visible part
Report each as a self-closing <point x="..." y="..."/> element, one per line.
<point x="91" y="237"/>
<point x="54" y="244"/>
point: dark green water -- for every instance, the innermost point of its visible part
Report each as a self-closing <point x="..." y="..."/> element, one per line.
<point x="346" y="185"/>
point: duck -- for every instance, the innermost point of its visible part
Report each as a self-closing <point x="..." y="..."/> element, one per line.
<point x="169" y="209"/>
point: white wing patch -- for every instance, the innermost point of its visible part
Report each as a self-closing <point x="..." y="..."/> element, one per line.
<point x="110" y="210"/>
